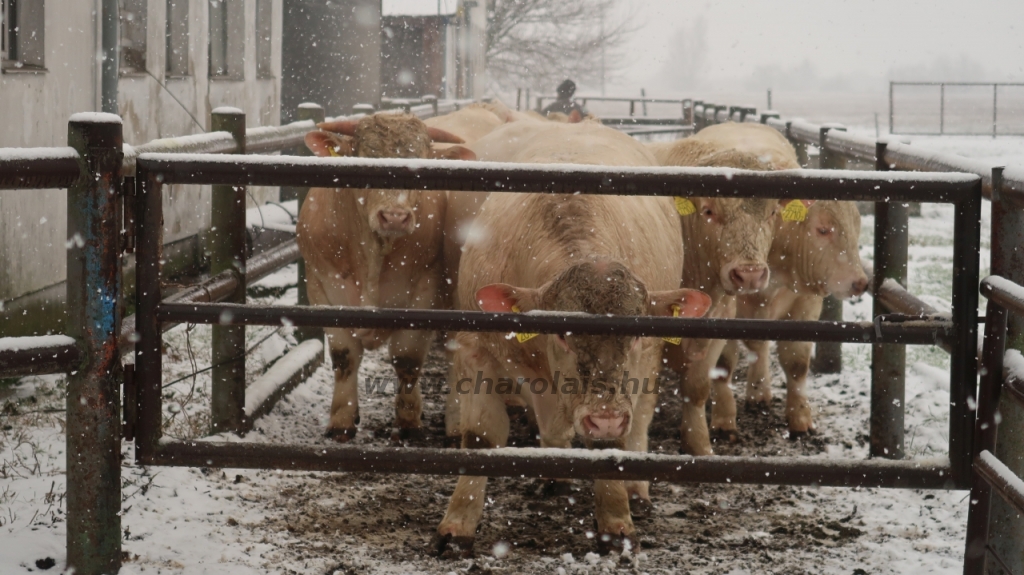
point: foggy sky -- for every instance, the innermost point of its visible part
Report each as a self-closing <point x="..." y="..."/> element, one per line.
<point x="846" y="45"/>
<point x="853" y="45"/>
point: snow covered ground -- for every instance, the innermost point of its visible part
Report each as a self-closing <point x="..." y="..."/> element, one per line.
<point x="180" y="520"/>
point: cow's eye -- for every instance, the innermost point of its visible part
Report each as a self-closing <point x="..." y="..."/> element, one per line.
<point x="824" y="231"/>
<point x="708" y="213"/>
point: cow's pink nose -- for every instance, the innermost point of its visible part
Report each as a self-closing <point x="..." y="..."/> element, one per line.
<point x="394" y="219"/>
<point x="605" y="425"/>
<point x="860" y="286"/>
<point x="749" y="278"/>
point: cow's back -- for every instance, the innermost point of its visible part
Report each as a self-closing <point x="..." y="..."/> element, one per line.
<point x="470" y="124"/>
<point x="527" y="239"/>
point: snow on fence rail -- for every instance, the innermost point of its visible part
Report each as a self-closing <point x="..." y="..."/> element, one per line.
<point x="91" y="416"/>
<point x="1005" y="298"/>
<point x="156" y="170"/>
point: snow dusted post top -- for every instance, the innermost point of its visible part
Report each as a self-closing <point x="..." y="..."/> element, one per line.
<point x="94" y="287"/>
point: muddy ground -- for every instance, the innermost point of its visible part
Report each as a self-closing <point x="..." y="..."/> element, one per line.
<point x="357" y="523"/>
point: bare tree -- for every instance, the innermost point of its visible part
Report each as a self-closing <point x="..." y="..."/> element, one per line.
<point x="539" y="43"/>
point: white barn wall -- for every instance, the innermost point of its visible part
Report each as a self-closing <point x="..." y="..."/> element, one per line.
<point x="34" y="109"/>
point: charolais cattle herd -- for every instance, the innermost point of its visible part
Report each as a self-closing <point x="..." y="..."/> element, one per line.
<point x="569" y="253"/>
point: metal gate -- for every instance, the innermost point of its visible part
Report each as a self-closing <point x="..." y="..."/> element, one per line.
<point x="960" y="331"/>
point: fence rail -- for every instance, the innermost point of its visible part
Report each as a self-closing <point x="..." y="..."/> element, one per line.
<point x="991" y="475"/>
<point x="156" y="170"/>
<point x="92" y="508"/>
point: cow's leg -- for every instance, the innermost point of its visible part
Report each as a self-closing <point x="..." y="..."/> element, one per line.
<point x="611" y="510"/>
<point x="346" y="355"/>
<point x="554" y="487"/>
<point x="759" y="375"/>
<point x="484" y="425"/>
<point x="723" y="410"/>
<point x="795" y="357"/>
<point x="696" y="388"/>
<point x="723" y="403"/>
<point x="408" y="350"/>
<point x="636" y="440"/>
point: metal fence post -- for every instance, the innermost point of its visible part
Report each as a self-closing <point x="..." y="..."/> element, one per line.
<point x="306" y="111"/>
<point x="888" y="362"/>
<point x="315" y="112"/>
<point x="1008" y="261"/>
<point x="828" y="356"/>
<point x="799" y="147"/>
<point x="94" y="320"/>
<point x="227" y="252"/>
<point x="890" y="107"/>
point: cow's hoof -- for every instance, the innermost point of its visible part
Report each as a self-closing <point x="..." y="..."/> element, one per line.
<point x="795" y="435"/>
<point x="639" y="507"/>
<point x="411" y="433"/>
<point x="757" y="406"/>
<point x="725" y="435"/>
<point x="608" y="543"/>
<point x="341" y="435"/>
<point x="555" y="488"/>
<point x="460" y="546"/>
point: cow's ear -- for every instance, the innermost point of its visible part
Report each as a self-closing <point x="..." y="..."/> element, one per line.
<point x="575" y="117"/>
<point x="328" y="145"/>
<point x="452" y="153"/>
<point x="504" y="298"/>
<point x="688" y="302"/>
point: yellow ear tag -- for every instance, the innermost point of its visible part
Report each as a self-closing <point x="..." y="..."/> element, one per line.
<point x="334" y="151"/>
<point x="794" y="211"/>
<point x="685" y="207"/>
<point x="522" y="337"/>
<point x="675" y="313"/>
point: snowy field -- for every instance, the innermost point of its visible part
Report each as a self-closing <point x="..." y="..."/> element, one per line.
<point x="180" y="520"/>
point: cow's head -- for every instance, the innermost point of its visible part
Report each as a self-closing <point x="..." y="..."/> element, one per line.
<point x="825" y="249"/>
<point x="734" y="236"/>
<point x="591" y="391"/>
<point x="390" y="213"/>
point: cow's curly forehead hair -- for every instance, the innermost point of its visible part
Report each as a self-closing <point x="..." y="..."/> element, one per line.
<point x="598" y="287"/>
<point x="392" y="136"/>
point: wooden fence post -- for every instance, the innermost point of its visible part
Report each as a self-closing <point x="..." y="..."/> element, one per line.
<point x="227" y="252"/>
<point x="94" y="320"/>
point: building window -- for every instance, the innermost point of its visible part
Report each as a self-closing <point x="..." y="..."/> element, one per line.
<point x="227" y="39"/>
<point x="264" y="38"/>
<point x="133" y="36"/>
<point x="177" y="38"/>
<point x="21" y="41"/>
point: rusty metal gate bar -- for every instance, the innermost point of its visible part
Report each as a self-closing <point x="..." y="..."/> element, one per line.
<point x="990" y="474"/>
<point x="963" y="191"/>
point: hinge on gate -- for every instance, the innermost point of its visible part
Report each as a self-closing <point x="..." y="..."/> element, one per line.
<point x="129" y="399"/>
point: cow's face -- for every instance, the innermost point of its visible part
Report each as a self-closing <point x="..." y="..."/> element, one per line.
<point x="592" y="390"/>
<point x="828" y="249"/>
<point x="389" y="213"/>
<point x="734" y="237"/>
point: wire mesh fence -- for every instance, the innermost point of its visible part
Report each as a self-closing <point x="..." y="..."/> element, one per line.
<point x="956" y="108"/>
